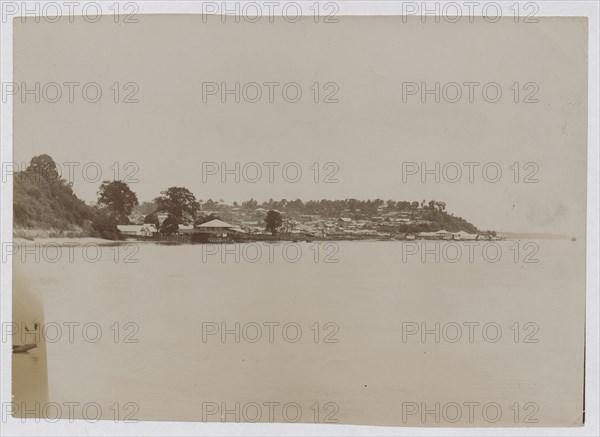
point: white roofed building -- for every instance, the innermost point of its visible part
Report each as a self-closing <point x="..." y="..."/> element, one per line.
<point x="216" y="226"/>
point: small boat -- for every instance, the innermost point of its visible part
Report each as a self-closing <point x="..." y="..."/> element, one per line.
<point x="22" y="348"/>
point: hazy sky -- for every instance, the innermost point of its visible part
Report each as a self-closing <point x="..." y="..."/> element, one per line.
<point x="368" y="134"/>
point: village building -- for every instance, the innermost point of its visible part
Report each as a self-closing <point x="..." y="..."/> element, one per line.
<point x="438" y="235"/>
<point x="215" y="231"/>
<point x="215" y="226"/>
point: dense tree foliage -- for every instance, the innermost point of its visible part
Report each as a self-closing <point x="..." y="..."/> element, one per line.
<point x="178" y="202"/>
<point x="105" y="225"/>
<point x="43" y="200"/>
<point x="169" y="226"/>
<point x="273" y="222"/>
<point x="118" y="199"/>
<point x="44" y="166"/>
<point x="152" y="218"/>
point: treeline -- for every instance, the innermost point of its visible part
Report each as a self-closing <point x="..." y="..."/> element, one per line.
<point x="358" y="209"/>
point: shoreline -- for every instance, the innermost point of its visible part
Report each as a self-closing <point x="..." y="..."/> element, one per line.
<point x="82" y="241"/>
<point x="65" y="241"/>
<point x="44" y="239"/>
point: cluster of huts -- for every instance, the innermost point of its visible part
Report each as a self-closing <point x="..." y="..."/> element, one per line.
<point x="213" y="229"/>
<point x="219" y="230"/>
<point x="446" y="235"/>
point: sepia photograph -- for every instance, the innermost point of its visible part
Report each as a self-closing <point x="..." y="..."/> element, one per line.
<point x="308" y="218"/>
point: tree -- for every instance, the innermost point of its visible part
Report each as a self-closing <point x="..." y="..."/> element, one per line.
<point x="104" y="225"/>
<point x="44" y="166"/>
<point x="273" y="222"/>
<point x="295" y="205"/>
<point x="152" y="218"/>
<point x="170" y="225"/>
<point x="177" y="202"/>
<point x="210" y="204"/>
<point x="118" y="199"/>
<point x="250" y="204"/>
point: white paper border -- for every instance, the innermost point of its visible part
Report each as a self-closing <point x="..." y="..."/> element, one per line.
<point x="64" y="428"/>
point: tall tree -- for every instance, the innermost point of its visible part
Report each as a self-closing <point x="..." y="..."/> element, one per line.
<point x="273" y="222"/>
<point x="118" y="199"/>
<point x="178" y="202"/>
<point x="44" y="166"/>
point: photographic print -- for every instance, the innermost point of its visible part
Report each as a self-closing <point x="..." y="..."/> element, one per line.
<point x="299" y="217"/>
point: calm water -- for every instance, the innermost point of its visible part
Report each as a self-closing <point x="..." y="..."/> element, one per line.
<point x="367" y="301"/>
